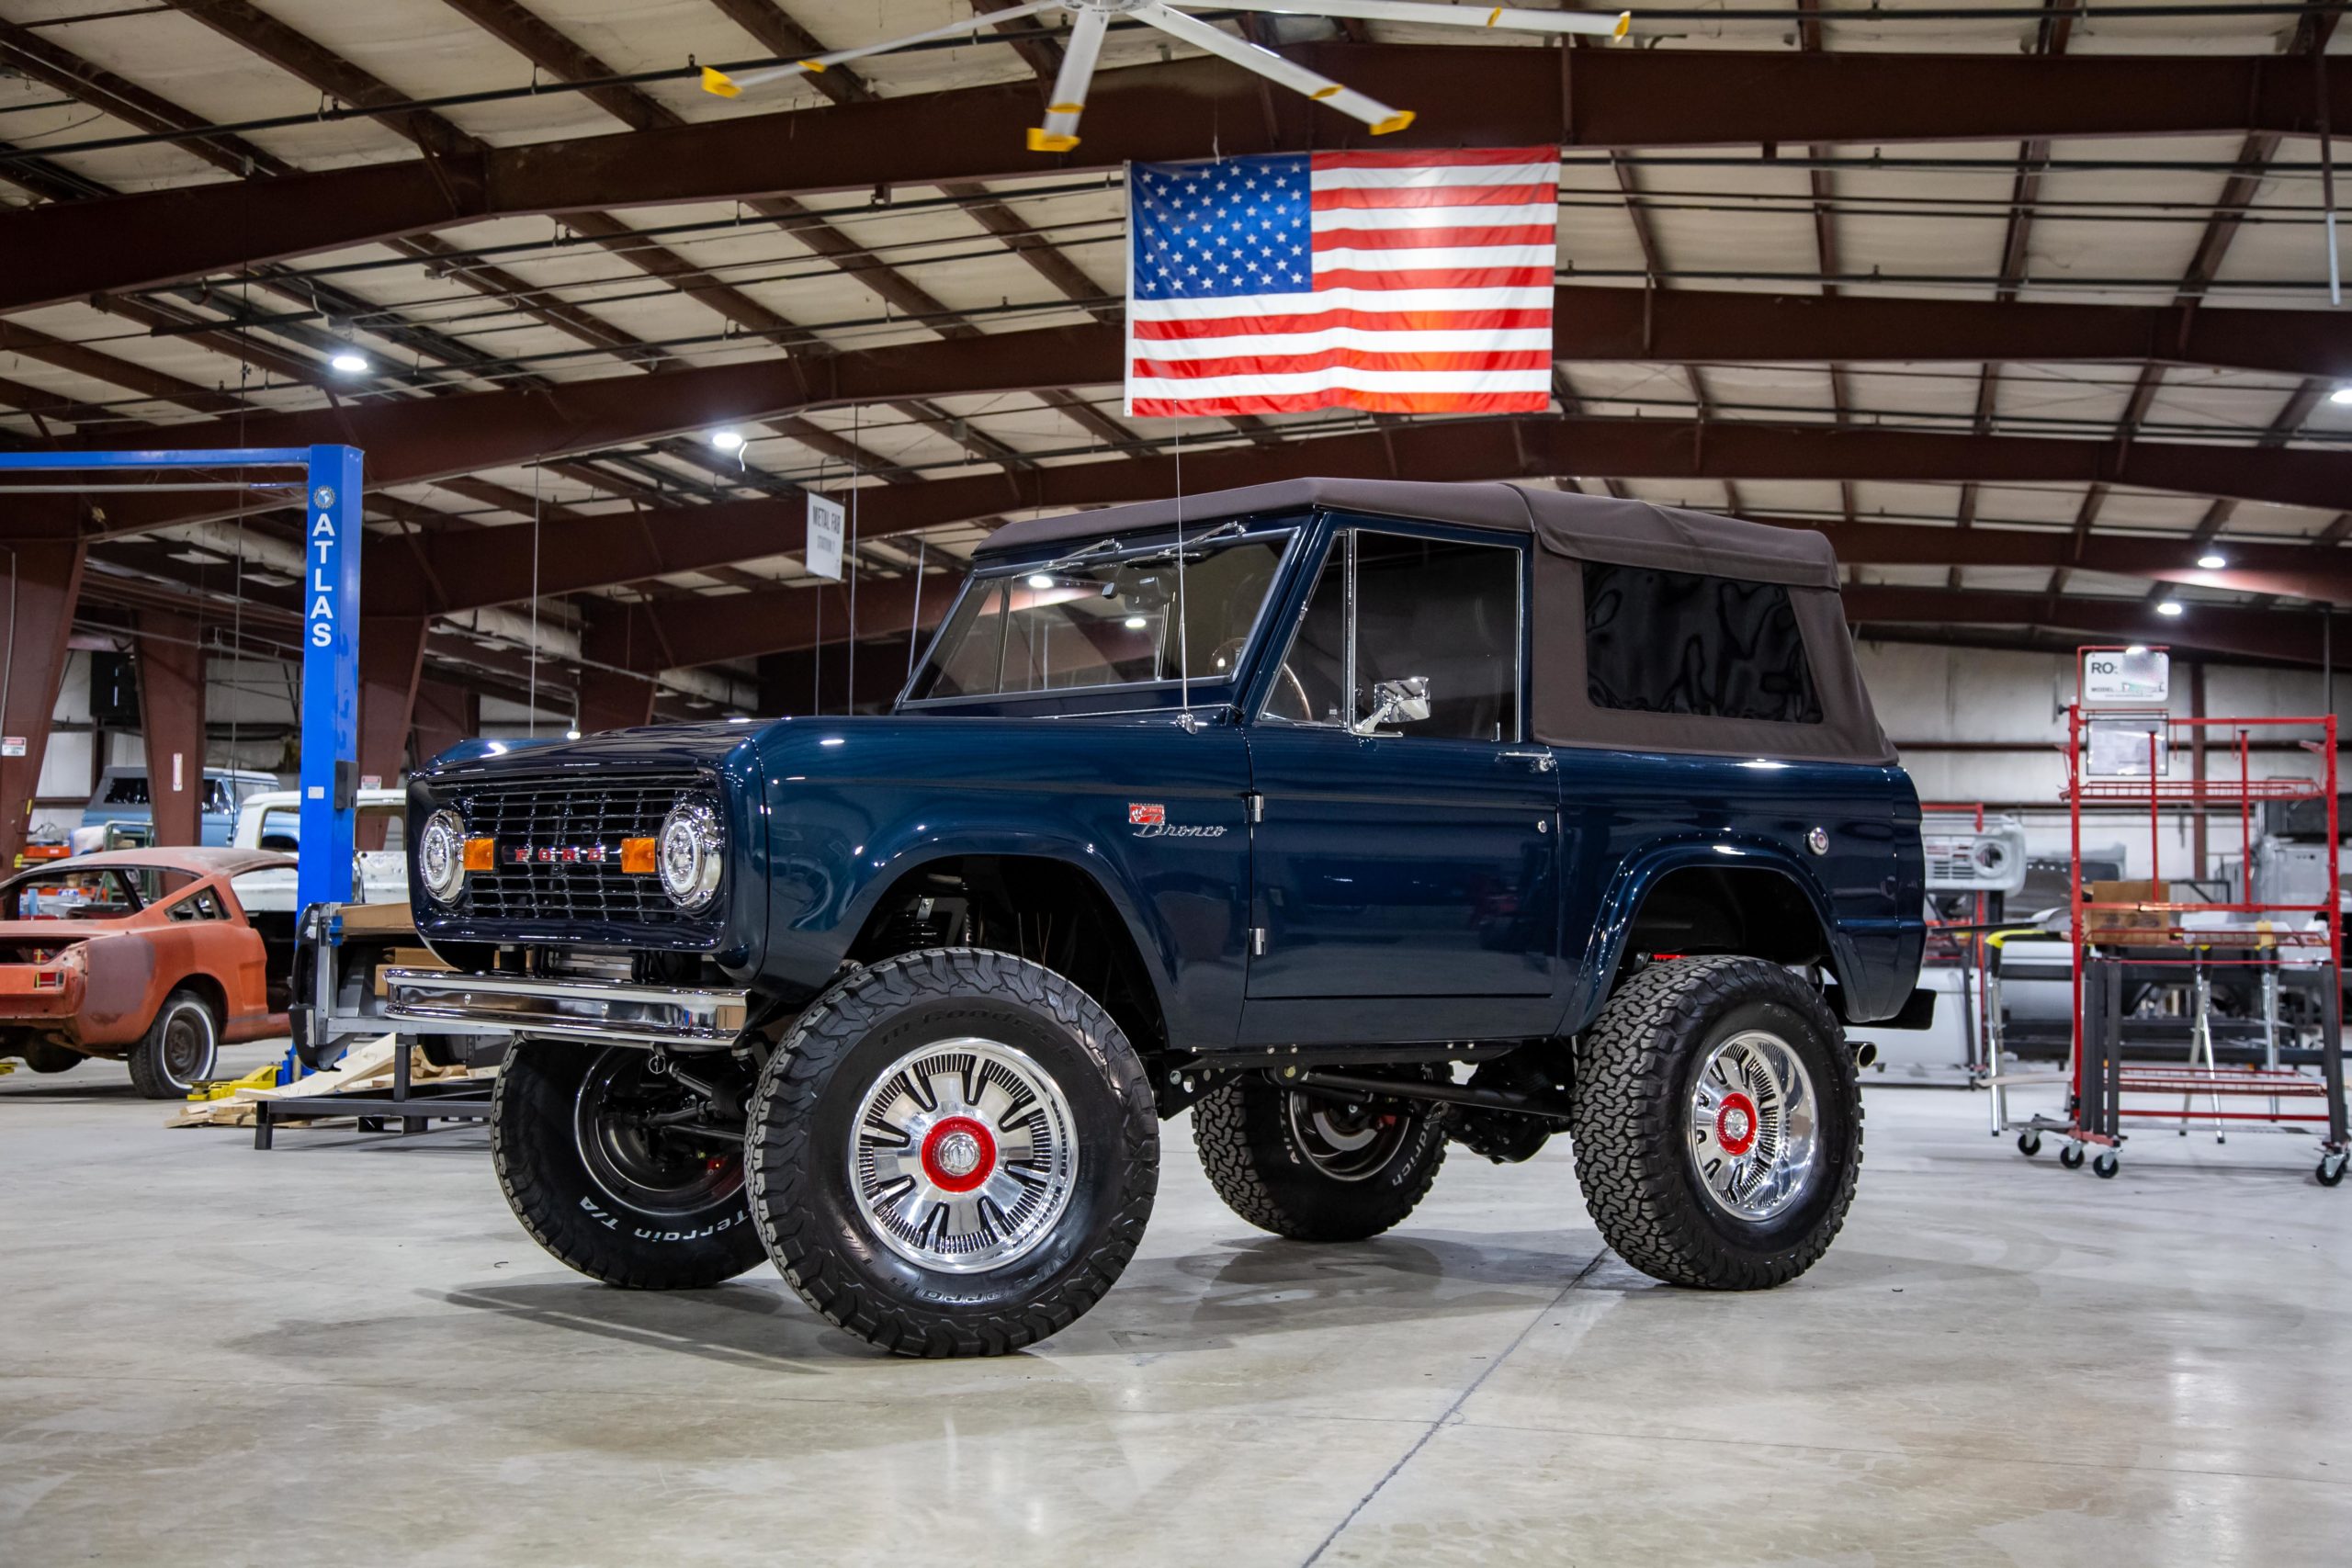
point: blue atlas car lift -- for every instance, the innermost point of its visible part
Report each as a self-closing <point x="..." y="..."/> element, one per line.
<point x="332" y="482"/>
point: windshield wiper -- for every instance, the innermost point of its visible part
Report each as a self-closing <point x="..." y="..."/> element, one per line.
<point x="1096" y="548"/>
<point x="1191" y="548"/>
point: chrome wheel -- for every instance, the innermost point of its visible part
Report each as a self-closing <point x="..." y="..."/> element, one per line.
<point x="1346" y="1143"/>
<point x="966" y="1154"/>
<point x="1754" y="1126"/>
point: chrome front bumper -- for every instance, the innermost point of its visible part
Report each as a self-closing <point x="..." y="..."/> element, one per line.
<point x="613" y="1011"/>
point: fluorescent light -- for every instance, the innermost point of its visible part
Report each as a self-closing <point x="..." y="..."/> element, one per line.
<point x="727" y="440"/>
<point x="2213" y="562"/>
<point x="2341" y="395"/>
<point x="1039" y="581"/>
<point x="350" y="362"/>
<point x="1137" y="623"/>
<point x="2169" y="607"/>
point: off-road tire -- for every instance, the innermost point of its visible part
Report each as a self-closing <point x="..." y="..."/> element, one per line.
<point x="535" y="1144"/>
<point x="43" y="1057"/>
<point x="1632" y="1091"/>
<point x="801" y="1144"/>
<point x="1251" y="1151"/>
<point x="182" y="1048"/>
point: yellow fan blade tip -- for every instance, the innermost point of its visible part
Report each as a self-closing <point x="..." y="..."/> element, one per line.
<point x="1322" y="93"/>
<point x="1043" y="141"/>
<point x="1397" y="121"/>
<point x="812" y="65"/>
<point x="721" y="84"/>
<point x="1624" y="24"/>
<point x="1065" y="108"/>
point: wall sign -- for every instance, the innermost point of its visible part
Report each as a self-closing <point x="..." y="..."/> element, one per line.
<point x="2127" y="676"/>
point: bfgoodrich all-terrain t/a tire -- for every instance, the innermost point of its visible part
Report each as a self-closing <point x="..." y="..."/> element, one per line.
<point x="646" y="1209"/>
<point x="1718" y="1124"/>
<point x="1312" y="1167"/>
<point x="954" y="1152"/>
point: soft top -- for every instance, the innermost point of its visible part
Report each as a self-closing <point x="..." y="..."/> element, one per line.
<point x="1583" y="528"/>
<point x="1768" y="573"/>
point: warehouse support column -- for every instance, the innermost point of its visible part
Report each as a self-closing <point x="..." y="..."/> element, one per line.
<point x="171" y="721"/>
<point x="617" y="638"/>
<point x="443" y="715"/>
<point x="329" y="675"/>
<point x="45" y="579"/>
<point x="392" y="660"/>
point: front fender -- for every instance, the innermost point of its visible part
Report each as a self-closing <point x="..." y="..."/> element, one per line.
<point x="1641" y="871"/>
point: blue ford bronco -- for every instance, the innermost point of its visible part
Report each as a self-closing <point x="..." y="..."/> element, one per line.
<point x="1358" y="818"/>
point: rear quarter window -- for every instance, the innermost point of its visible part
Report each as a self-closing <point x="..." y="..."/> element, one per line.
<point x="1685" y="643"/>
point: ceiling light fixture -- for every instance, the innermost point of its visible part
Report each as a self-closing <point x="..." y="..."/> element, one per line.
<point x="1136" y="623"/>
<point x="2213" y="561"/>
<point x="2342" y="395"/>
<point x="727" y="440"/>
<point x="351" y="362"/>
<point x="1040" y="581"/>
<point x="571" y="735"/>
<point x="2169" y="607"/>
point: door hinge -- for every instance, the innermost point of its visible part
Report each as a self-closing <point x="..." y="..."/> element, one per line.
<point x="1258" y="942"/>
<point x="1257" y="805"/>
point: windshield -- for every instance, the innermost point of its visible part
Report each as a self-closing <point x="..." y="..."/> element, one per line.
<point x="1101" y="619"/>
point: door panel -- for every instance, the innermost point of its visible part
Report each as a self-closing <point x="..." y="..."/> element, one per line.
<point x="1391" y="867"/>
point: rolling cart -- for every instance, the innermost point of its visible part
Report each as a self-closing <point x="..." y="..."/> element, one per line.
<point x="2130" y="937"/>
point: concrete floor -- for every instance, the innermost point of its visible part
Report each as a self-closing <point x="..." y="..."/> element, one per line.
<point x="346" y="1351"/>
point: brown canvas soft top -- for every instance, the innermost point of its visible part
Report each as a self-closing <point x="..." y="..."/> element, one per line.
<point x="1587" y="527"/>
<point x="1572" y="530"/>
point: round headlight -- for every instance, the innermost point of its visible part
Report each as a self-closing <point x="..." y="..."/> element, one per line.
<point x="441" y="856"/>
<point x="689" y="852"/>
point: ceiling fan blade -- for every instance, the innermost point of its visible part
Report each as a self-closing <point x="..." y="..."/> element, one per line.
<point x="1079" y="51"/>
<point x="726" y="86"/>
<point x="1602" y="23"/>
<point x="1382" y="118"/>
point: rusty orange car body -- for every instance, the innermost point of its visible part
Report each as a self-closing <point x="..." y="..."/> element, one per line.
<point x="92" y="949"/>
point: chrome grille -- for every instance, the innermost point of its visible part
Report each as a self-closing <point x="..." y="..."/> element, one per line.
<point x="577" y="815"/>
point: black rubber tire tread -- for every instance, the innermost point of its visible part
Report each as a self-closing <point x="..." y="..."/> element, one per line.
<point x="536" y="1154"/>
<point x="148" y="1073"/>
<point x="43" y="1057"/>
<point x="1243" y="1137"/>
<point x="806" y="1240"/>
<point x="1628" y="1124"/>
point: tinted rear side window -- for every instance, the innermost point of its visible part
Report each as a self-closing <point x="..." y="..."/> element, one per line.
<point x="1678" y="642"/>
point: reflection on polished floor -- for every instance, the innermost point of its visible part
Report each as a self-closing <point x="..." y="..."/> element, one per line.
<point x="346" y="1351"/>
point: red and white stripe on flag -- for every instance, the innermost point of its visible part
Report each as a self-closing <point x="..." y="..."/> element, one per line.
<point x="1409" y="282"/>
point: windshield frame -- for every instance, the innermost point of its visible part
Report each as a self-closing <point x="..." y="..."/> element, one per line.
<point x="1285" y="531"/>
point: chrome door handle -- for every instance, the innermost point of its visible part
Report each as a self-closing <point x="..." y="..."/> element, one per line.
<point x="1544" y="761"/>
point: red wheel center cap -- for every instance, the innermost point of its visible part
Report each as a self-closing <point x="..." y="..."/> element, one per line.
<point x="1735" y="1124"/>
<point x="958" y="1153"/>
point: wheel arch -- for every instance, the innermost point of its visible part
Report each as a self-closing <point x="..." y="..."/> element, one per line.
<point x="1041" y="904"/>
<point x="1717" y="897"/>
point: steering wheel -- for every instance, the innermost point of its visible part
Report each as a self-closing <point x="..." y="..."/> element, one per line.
<point x="1287" y="684"/>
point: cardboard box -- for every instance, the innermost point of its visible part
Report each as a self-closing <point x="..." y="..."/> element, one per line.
<point x="2129" y="925"/>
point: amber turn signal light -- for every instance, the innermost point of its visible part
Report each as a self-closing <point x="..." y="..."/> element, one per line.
<point x="480" y="854"/>
<point x="636" y="857"/>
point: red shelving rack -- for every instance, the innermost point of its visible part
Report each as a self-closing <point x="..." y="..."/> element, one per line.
<point x="2146" y="938"/>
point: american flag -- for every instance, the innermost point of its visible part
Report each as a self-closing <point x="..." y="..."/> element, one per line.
<point x="1396" y="282"/>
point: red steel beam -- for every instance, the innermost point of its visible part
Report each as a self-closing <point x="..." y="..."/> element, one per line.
<point x="46" y="583"/>
<point x="1190" y="108"/>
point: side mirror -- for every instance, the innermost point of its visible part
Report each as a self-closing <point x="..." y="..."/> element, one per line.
<point x="1396" y="702"/>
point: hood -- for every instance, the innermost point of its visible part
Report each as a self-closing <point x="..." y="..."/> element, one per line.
<point x="660" y="745"/>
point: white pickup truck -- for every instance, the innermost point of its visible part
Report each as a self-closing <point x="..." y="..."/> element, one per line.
<point x="272" y="820"/>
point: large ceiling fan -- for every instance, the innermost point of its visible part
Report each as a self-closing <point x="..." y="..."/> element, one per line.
<point x="1092" y="18"/>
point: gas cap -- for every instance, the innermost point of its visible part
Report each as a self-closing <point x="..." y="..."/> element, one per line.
<point x="1818" y="840"/>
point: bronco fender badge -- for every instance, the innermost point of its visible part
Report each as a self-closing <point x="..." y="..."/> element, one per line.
<point x="1151" y="822"/>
